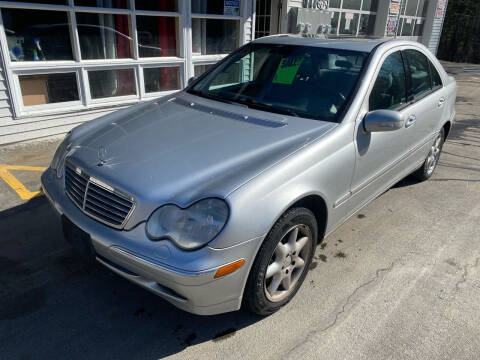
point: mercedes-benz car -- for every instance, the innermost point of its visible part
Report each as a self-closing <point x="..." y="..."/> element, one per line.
<point x="216" y="196"/>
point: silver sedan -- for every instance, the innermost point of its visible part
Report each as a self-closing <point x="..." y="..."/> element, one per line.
<point x="216" y="196"/>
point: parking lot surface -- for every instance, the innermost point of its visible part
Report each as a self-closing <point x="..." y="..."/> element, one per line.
<point x="399" y="280"/>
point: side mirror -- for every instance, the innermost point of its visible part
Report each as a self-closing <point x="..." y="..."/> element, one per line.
<point x="382" y="120"/>
<point x="191" y="80"/>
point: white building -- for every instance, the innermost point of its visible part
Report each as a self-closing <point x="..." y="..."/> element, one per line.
<point x="68" y="61"/>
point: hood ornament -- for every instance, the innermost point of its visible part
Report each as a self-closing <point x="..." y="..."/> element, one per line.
<point x="102" y="153"/>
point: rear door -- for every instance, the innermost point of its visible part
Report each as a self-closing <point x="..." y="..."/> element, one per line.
<point x="426" y="102"/>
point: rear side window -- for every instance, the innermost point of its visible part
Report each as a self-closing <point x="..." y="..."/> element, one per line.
<point x="389" y="90"/>
<point x="436" y="79"/>
<point x="418" y="67"/>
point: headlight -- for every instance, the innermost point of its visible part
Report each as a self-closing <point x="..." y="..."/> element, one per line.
<point x="189" y="228"/>
<point x="59" y="157"/>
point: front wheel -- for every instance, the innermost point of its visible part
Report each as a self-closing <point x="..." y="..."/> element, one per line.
<point x="282" y="262"/>
<point x="430" y="163"/>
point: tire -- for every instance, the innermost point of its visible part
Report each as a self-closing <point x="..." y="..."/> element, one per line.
<point x="430" y="163"/>
<point x="282" y="252"/>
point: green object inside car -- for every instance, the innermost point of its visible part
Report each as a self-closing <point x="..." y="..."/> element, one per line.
<point x="287" y="69"/>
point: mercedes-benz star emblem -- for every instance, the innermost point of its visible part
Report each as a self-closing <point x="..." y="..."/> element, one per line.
<point x="102" y="153"/>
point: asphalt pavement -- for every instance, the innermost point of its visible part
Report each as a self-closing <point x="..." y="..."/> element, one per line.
<point x="399" y="280"/>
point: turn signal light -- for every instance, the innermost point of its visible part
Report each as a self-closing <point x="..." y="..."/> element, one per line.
<point x="229" y="268"/>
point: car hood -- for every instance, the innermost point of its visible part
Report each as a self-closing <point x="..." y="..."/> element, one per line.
<point x="182" y="148"/>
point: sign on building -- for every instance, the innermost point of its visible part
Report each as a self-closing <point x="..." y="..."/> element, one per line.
<point x="231" y="7"/>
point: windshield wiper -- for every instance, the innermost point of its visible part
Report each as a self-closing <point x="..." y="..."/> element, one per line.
<point x="262" y="106"/>
<point x="247" y="102"/>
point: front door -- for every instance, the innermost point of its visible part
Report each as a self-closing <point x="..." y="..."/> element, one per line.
<point x="380" y="155"/>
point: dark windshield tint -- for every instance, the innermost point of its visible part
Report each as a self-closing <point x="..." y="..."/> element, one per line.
<point x="389" y="89"/>
<point x="310" y="82"/>
<point x="419" y="73"/>
<point x="436" y="80"/>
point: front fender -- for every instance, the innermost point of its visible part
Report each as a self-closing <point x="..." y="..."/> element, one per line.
<point x="323" y="168"/>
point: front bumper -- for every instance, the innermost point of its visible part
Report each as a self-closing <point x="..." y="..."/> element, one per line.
<point x="184" y="278"/>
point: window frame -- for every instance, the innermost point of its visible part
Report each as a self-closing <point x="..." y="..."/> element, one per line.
<point x="213" y="58"/>
<point x="155" y="66"/>
<point x="377" y="71"/>
<point x="410" y="101"/>
<point x="414" y="18"/>
<point x="122" y="98"/>
<point x="46" y="107"/>
<point x="185" y="59"/>
<point x="341" y="10"/>
<point x="430" y="65"/>
<point x="410" y="97"/>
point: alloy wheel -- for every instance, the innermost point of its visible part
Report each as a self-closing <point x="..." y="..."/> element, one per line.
<point x="434" y="154"/>
<point x="287" y="262"/>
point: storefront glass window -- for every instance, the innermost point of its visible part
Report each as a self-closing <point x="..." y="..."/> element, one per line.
<point x="334" y="4"/>
<point x="370" y="5"/>
<point x="37" y="35"/>
<point x="411" y="7"/>
<point x="263" y="14"/>
<point x="418" y="29"/>
<point x="367" y="23"/>
<point x="407" y="28"/>
<point x="143" y="37"/>
<point x="156" y="5"/>
<point x="334" y="22"/>
<point x="110" y="83"/>
<point x="161" y="79"/>
<point x="48" y="88"/>
<point x="219" y="7"/>
<point x="120" y="4"/>
<point x="348" y="23"/>
<point x="351" y="4"/>
<point x="104" y="36"/>
<point x="422" y="8"/>
<point x="157" y="36"/>
<point x="214" y="36"/>
<point x="200" y="69"/>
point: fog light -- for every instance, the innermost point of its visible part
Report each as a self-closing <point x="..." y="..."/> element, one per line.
<point x="229" y="268"/>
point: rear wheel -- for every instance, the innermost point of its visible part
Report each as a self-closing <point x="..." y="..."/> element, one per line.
<point x="430" y="163"/>
<point x="282" y="262"/>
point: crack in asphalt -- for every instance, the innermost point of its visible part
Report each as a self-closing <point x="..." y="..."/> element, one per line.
<point x="463" y="279"/>
<point x="378" y="272"/>
<point x="357" y="289"/>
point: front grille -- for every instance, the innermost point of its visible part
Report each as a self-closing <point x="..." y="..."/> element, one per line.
<point x="97" y="199"/>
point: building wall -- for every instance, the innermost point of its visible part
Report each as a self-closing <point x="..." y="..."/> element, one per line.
<point x="434" y="25"/>
<point x="29" y="128"/>
<point x="5" y="109"/>
<point x="32" y="126"/>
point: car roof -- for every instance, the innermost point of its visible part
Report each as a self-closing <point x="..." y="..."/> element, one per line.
<point x="364" y="45"/>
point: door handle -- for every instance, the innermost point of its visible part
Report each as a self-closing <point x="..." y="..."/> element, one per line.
<point x="410" y="121"/>
<point x="441" y="101"/>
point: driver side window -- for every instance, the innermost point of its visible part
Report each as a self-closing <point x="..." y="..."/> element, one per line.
<point x="389" y="90"/>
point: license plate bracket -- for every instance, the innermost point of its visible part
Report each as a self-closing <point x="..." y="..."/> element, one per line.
<point x="80" y="240"/>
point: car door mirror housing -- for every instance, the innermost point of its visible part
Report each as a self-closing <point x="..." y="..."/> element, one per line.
<point x="383" y="120"/>
<point x="191" y="80"/>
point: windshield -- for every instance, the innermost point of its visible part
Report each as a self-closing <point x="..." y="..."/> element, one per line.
<point x="305" y="81"/>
